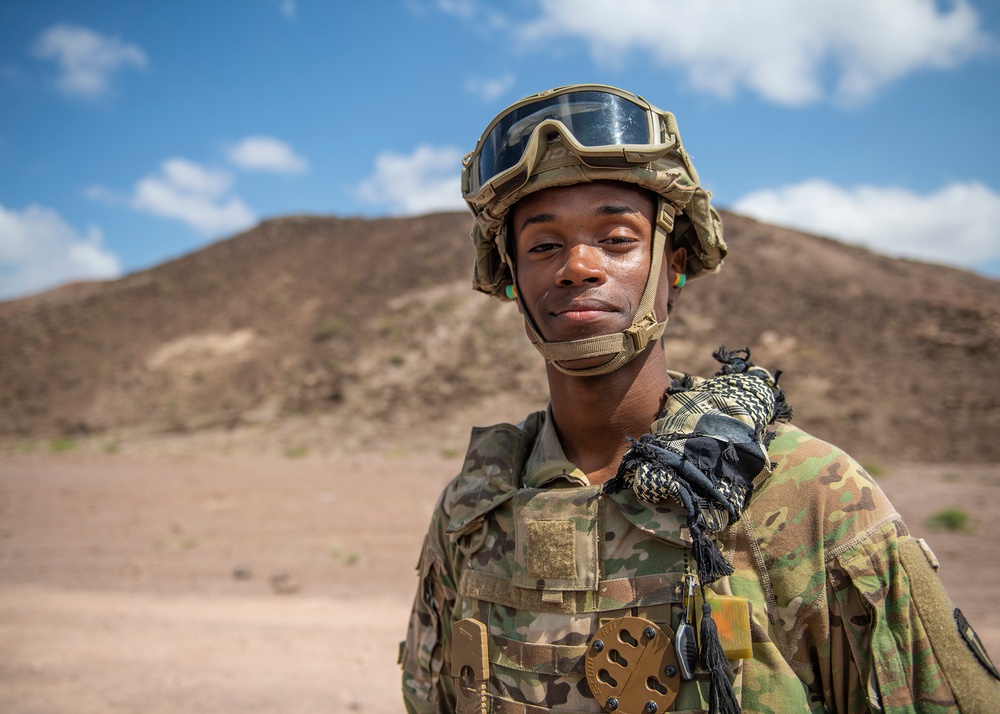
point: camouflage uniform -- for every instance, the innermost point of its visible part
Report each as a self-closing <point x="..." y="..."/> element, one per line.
<point x="525" y="560"/>
<point x="522" y="542"/>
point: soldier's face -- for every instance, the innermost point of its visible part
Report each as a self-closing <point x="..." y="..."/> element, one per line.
<point x="582" y="256"/>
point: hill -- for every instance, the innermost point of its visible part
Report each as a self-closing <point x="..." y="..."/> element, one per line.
<point x="331" y="334"/>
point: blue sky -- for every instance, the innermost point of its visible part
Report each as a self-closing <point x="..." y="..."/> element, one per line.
<point x="133" y="132"/>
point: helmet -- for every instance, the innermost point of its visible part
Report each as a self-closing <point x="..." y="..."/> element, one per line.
<point x="577" y="134"/>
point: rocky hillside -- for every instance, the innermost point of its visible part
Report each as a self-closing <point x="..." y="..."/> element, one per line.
<point x="365" y="332"/>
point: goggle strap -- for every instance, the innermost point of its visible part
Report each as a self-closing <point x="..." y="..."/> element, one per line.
<point x="535" y="150"/>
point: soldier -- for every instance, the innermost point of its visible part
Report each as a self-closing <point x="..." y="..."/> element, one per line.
<point x="652" y="541"/>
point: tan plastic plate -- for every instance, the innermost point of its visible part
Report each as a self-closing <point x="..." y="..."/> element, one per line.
<point x="631" y="667"/>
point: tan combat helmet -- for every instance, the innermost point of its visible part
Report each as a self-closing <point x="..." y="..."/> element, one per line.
<point x="578" y="134"/>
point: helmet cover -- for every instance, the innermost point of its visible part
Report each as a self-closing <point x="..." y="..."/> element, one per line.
<point x="672" y="177"/>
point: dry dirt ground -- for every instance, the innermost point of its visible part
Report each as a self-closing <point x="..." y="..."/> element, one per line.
<point x="137" y="583"/>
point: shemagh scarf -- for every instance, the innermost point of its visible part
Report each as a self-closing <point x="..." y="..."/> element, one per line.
<point x="705" y="451"/>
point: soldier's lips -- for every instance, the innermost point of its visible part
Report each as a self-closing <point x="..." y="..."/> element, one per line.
<point x="583" y="311"/>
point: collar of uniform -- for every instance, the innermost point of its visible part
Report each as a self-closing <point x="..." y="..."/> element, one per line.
<point x="547" y="465"/>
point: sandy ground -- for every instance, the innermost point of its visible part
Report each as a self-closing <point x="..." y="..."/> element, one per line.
<point x="193" y="584"/>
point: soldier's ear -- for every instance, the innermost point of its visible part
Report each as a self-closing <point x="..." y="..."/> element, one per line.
<point x="678" y="261"/>
<point x="676" y="265"/>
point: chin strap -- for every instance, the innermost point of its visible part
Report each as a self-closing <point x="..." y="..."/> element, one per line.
<point x="625" y="345"/>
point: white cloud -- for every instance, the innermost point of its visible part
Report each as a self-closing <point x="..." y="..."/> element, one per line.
<point x="288" y="9"/>
<point x="86" y="58"/>
<point x="955" y="225"/>
<point x="265" y="153"/>
<point x="783" y="50"/>
<point x="190" y="177"/>
<point x="427" y="180"/>
<point x="490" y="89"/>
<point x="38" y="249"/>
<point x="481" y="16"/>
<point x="105" y="195"/>
<point x="191" y="193"/>
<point x="462" y="9"/>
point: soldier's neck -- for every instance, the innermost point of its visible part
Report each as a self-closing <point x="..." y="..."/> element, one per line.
<point x="595" y="415"/>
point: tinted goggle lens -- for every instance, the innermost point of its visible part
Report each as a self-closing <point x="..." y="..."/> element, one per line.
<point x="593" y="118"/>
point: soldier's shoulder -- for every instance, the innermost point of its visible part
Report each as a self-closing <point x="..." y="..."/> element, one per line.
<point x="819" y="490"/>
<point x="800" y="458"/>
<point x="490" y="473"/>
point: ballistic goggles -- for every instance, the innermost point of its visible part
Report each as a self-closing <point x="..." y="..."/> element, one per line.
<point x="604" y="126"/>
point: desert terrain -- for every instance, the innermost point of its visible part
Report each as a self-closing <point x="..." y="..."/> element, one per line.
<point x="144" y="583"/>
<point x="215" y="474"/>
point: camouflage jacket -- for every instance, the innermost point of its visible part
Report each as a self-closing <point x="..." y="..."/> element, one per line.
<point x="847" y="614"/>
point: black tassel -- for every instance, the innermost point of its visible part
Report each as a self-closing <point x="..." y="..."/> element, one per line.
<point x="721" y="698"/>
<point x="782" y="409"/>
<point x="732" y="361"/>
<point x="615" y="484"/>
<point x="680" y="385"/>
<point x="711" y="564"/>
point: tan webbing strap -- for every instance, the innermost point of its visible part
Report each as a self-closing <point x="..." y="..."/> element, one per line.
<point x="611" y="595"/>
<point x="499" y="705"/>
<point x="538" y="658"/>
<point x="584" y="348"/>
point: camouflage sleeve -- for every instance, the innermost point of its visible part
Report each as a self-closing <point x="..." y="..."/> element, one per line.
<point x="896" y="640"/>
<point x="881" y="659"/>
<point x="853" y="602"/>
<point x="427" y="684"/>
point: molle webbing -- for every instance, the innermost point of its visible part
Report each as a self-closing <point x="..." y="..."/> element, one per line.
<point x="557" y="660"/>
<point x="506" y="706"/>
<point x="610" y="595"/>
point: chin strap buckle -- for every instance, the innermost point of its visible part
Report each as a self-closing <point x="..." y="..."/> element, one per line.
<point x="644" y="330"/>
